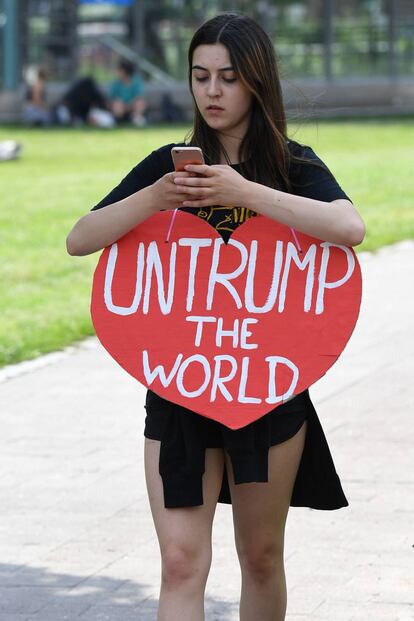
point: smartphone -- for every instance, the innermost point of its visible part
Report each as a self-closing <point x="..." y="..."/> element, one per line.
<point x="182" y="156"/>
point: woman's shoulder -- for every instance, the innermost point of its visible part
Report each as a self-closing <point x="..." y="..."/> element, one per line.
<point x="297" y="149"/>
<point x="310" y="176"/>
<point x="304" y="160"/>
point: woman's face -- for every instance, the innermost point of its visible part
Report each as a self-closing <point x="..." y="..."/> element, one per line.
<point x="223" y="101"/>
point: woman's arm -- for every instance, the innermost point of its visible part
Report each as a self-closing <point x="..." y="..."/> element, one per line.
<point x="337" y="221"/>
<point x="98" y="229"/>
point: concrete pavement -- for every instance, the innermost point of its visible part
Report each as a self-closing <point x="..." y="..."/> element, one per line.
<point x="76" y="534"/>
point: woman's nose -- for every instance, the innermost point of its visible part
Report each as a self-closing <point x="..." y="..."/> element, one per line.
<point x="213" y="88"/>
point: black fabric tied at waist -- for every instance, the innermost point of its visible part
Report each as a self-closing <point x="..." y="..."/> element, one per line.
<point x="185" y="436"/>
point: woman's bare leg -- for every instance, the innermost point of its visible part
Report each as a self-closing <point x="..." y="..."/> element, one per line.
<point x="259" y="515"/>
<point x="184" y="536"/>
<point x="139" y="105"/>
<point x="118" y="108"/>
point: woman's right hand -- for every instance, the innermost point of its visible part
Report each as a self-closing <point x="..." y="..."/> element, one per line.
<point x="166" y="193"/>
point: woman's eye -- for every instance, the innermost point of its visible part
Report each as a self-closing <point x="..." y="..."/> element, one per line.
<point x="224" y="79"/>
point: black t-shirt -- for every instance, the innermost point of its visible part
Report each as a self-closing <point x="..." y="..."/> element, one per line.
<point x="317" y="484"/>
<point x="307" y="180"/>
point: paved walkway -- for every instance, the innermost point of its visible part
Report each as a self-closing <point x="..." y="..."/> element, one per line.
<point x="76" y="536"/>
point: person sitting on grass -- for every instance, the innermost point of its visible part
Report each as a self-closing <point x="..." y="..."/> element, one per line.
<point x="36" y="111"/>
<point x="84" y="104"/>
<point x="126" y="95"/>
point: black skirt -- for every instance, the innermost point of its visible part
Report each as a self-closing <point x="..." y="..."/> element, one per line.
<point x="185" y="435"/>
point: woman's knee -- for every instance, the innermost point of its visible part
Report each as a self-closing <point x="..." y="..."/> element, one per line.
<point x="261" y="561"/>
<point x="183" y="564"/>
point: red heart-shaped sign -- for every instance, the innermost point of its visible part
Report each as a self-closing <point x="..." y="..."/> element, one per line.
<point x="227" y="330"/>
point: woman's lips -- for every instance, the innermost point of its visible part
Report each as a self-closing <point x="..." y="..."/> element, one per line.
<point x="214" y="109"/>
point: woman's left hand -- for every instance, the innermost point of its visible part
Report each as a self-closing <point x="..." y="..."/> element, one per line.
<point x="220" y="185"/>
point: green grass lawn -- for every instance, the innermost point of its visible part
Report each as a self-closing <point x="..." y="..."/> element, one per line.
<point x="44" y="293"/>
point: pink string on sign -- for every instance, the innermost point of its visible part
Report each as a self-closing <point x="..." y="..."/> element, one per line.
<point x="295" y="237"/>
<point x="174" y="213"/>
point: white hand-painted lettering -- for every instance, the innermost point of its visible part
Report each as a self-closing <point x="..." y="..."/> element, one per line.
<point x="308" y="259"/>
<point x="109" y="275"/>
<point x="200" y="321"/>
<point x="224" y="279"/>
<point x="180" y="376"/>
<point x="233" y="332"/>
<point x="273" y="362"/>
<point x="251" y="274"/>
<point x="154" y="262"/>
<point x="151" y="263"/>
<point x="159" y="371"/>
<point x="244" y="333"/>
<point x="195" y="245"/>
<point x="219" y="381"/>
<point x="322" y="273"/>
<point x="243" y="381"/>
<point x="233" y="383"/>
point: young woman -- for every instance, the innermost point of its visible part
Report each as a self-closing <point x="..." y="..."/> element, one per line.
<point x="192" y="462"/>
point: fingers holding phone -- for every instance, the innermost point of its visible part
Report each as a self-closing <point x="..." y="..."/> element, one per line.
<point x="183" y="156"/>
<point x="168" y="194"/>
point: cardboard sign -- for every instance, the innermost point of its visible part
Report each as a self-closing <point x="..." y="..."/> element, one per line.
<point x="232" y="330"/>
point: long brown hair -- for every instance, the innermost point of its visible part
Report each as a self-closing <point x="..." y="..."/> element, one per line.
<point x="263" y="153"/>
